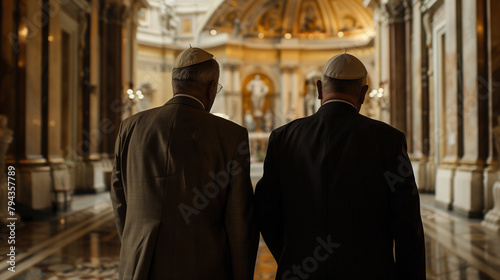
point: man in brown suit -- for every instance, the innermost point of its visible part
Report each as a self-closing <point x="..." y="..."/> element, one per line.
<point x="181" y="187"/>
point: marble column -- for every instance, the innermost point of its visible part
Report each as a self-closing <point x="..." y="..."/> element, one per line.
<point x="90" y="169"/>
<point x="33" y="172"/>
<point x="428" y="136"/>
<point x="294" y="95"/>
<point x="237" y="97"/>
<point x="55" y="82"/>
<point x="450" y="133"/>
<point x="116" y="14"/>
<point x="104" y="95"/>
<point x="63" y="102"/>
<point x="397" y="62"/>
<point x="285" y="94"/>
<point x="9" y="51"/>
<point x="419" y="159"/>
<point x="493" y="85"/>
<point x="468" y="196"/>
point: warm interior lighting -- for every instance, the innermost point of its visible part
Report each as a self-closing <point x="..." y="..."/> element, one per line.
<point x="139" y="94"/>
<point x="288" y="36"/>
<point x="340" y="34"/>
<point x="213" y="32"/>
<point x="23" y="32"/>
<point x="261" y="35"/>
<point x="379" y="93"/>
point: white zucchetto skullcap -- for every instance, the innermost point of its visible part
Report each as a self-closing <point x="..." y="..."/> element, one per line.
<point x="192" y="56"/>
<point x="344" y="67"/>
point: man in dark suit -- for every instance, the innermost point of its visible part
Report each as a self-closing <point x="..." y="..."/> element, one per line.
<point x="338" y="190"/>
<point x="181" y="188"/>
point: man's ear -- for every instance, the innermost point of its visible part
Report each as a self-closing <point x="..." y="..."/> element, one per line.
<point x="363" y="91"/>
<point x="212" y="90"/>
<point x="320" y="89"/>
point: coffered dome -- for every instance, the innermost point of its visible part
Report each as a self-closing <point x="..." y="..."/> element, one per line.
<point x="303" y="19"/>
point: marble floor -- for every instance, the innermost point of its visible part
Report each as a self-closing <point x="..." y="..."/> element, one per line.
<point x="83" y="244"/>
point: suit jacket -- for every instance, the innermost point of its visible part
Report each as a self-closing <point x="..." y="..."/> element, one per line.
<point x="338" y="189"/>
<point x="182" y="195"/>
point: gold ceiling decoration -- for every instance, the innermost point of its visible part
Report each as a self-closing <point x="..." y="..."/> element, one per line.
<point x="305" y="19"/>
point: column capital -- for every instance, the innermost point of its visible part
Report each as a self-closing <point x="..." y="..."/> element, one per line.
<point x="397" y="10"/>
<point x="115" y="13"/>
<point x="288" y="68"/>
<point x="429" y="6"/>
<point x="231" y="65"/>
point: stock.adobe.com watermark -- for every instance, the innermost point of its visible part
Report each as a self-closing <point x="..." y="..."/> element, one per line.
<point x="310" y="264"/>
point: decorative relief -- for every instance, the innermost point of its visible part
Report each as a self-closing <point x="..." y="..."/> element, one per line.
<point x="270" y="22"/>
<point x="349" y="23"/>
<point x="310" y="18"/>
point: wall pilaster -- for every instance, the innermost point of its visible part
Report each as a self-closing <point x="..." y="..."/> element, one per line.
<point x="468" y="182"/>
<point x="450" y="134"/>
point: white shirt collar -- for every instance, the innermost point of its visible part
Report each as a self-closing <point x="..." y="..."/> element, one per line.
<point x="190" y="96"/>
<point x="339" y="100"/>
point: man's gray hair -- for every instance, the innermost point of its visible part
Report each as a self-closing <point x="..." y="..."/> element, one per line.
<point x="201" y="74"/>
<point x="342" y="86"/>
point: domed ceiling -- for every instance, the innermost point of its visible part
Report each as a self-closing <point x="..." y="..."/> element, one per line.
<point x="304" y="19"/>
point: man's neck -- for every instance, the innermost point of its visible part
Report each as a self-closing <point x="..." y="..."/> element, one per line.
<point x="331" y="97"/>
<point x="190" y="96"/>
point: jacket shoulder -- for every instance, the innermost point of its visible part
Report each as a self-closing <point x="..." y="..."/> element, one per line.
<point x="291" y="125"/>
<point x="132" y="120"/>
<point x="381" y="128"/>
<point x="227" y="124"/>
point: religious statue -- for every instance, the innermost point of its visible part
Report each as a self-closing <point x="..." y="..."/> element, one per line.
<point x="5" y="140"/>
<point x="259" y="90"/>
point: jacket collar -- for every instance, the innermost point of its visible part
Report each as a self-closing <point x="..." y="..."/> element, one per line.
<point x="337" y="106"/>
<point x="186" y="100"/>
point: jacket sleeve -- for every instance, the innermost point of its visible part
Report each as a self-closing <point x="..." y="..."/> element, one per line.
<point x="240" y="221"/>
<point x="406" y="222"/>
<point x="268" y="202"/>
<point x="117" y="187"/>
